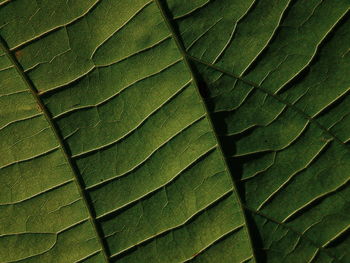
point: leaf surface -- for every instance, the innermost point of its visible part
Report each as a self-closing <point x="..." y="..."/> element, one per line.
<point x="174" y="131"/>
<point x="120" y="114"/>
<point x="277" y="84"/>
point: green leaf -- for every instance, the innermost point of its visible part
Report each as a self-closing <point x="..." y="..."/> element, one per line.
<point x="276" y="79"/>
<point x="174" y="131"/>
<point x="119" y="162"/>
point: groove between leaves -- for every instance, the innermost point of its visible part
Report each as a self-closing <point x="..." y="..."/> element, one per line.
<point x="182" y="50"/>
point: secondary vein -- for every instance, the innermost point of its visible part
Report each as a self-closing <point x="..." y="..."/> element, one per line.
<point x="257" y="86"/>
<point x="290" y="229"/>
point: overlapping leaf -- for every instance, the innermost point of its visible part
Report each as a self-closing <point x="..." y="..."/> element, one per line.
<point x="276" y="75"/>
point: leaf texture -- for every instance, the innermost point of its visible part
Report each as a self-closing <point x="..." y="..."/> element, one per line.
<point x="135" y="138"/>
<point x="174" y="131"/>
<point x="277" y="84"/>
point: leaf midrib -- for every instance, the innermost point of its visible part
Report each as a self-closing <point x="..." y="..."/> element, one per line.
<point x="166" y="17"/>
<point x="59" y="138"/>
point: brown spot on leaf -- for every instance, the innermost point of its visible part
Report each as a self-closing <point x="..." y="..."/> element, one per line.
<point x="18" y="54"/>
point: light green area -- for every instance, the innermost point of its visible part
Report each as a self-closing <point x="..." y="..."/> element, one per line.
<point x="43" y="217"/>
